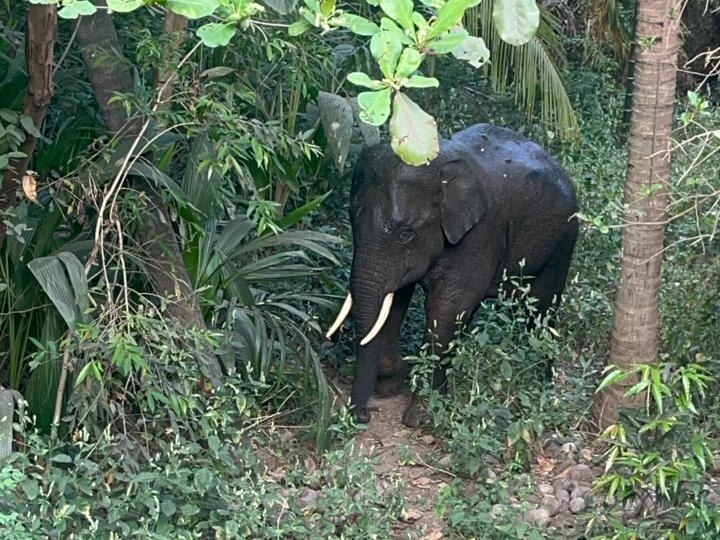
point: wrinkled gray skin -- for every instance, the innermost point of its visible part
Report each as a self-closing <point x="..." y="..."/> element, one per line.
<point x="488" y="201"/>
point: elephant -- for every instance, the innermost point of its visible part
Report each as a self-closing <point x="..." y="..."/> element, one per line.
<point x="491" y="202"/>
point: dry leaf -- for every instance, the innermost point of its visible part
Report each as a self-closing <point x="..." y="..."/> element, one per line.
<point x="544" y="465"/>
<point x="586" y="454"/>
<point x="410" y="515"/>
<point x="422" y="482"/>
<point x="434" y="535"/>
<point x="29" y="185"/>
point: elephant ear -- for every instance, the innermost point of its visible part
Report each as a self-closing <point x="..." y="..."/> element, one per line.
<point x="464" y="202"/>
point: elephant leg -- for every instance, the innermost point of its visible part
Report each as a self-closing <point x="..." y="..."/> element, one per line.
<point x="445" y="310"/>
<point x="380" y="358"/>
<point x="393" y="370"/>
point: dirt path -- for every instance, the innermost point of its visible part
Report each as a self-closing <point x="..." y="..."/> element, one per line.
<point x="402" y="456"/>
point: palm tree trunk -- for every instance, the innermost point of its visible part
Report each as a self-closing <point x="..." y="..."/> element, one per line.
<point x="110" y="73"/>
<point x="635" y="331"/>
<point x="39" y="46"/>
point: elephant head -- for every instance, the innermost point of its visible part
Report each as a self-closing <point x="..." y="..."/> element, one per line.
<point x="402" y="218"/>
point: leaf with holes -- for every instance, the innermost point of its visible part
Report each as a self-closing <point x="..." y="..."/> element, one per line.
<point x="413" y="132"/>
<point x="337" y="120"/>
<point x="473" y="51"/>
<point x="374" y="106"/>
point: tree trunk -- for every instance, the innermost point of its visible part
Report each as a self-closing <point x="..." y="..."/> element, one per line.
<point x="109" y="73"/>
<point x="39" y="46"/>
<point x="635" y="331"/>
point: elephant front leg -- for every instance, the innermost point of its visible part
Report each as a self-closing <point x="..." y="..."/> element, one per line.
<point x="378" y="363"/>
<point x="445" y="312"/>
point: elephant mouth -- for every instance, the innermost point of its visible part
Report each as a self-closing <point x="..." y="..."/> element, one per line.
<point x="376" y="328"/>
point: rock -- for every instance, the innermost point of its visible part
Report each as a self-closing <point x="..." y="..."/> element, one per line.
<point x="382" y="485"/>
<point x="568" y="448"/>
<point x="581" y="489"/>
<point x="538" y="516"/>
<point x="428" y="439"/>
<point x="577" y="505"/>
<point x="562" y="495"/>
<point x="446" y="461"/>
<point x="561" y="483"/>
<point x="581" y="473"/>
<point x="545" y="488"/>
<point x="552" y="505"/>
<point x="497" y="511"/>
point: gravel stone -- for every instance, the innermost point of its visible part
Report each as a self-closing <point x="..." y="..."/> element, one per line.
<point x="581" y="473"/>
<point x="577" y="505"/>
<point x="538" y="516"/>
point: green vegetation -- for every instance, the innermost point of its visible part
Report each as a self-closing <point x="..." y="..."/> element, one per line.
<point x="165" y="278"/>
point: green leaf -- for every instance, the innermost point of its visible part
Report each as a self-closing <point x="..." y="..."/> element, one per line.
<point x="410" y="60"/>
<point x="76" y="8"/>
<point x="216" y="34"/>
<point x="449" y="16"/>
<point x="473" y="51"/>
<point x="167" y="507"/>
<point x="399" y="10"/>
<point x="192" y="9"/>
<point x="44" y="2"/>
<point x="124" y="6"/>
<point x="337" y="120"/>
<point x="358" y="25"/>
<point x="516" y="21"/>
<point x="371" y="134"/>
<point x="61" y="458"/>
<point x="292" y="218"/>
<point x="374" y="106"/>
<point x="29" y="126"/>
<point x="417" y="81"/>
<point x="62" y="277"/>
<point x="299" y="27"/>
<point x="413" y="132"/>
<point x="448" y="42"/>
<point x="362" y="79"/>
<point x="386" y="47"/>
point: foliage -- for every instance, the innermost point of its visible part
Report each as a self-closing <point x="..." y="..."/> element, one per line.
<point x="497" y="406"/>
<point x="153" y="454"/>
<point x="658" y="457"/>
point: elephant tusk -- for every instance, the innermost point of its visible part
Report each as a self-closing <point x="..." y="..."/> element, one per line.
<point x="344" y="310"/>
<point x="382" y="317"/>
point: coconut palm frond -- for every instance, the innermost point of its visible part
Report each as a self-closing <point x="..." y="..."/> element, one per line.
<point x="605" y="22"/>
<point x="532" y="67"/>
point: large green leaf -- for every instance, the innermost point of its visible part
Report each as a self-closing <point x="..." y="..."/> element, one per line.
<point x="448" y="16"/>
<point x="401" y="11"/>
<point x="124" y="6"/>
<point x="358" y="25"/>
<point x="370" y="133"/>
<point x="216" y="34"/>
<point x="410" y="60"/>
<point x="337" y="120"/>
<point x="62" y="277"/>
<point x="386" y="47"/>
<point x="516" y="20"/>
<point x="75" y="8"/>
<point x="473" y="51"/>
<point x="374" y="106"/>
<point x="413" y="132"/>
<point x="193" y="9"/>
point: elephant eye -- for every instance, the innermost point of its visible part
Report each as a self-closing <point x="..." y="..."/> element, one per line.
<point x="405" y="235"/>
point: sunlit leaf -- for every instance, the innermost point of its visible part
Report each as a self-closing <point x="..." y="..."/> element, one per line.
<point x="193" y="9"/>
<point x="124" y="6"/>
<point x="516" y="20"/>
<point x="362" y="79"/>
<point x="409" y="61"/>
<point x="374" y="106"/>
<point x="413" y="132"/>
<point x="399" y="10"/>
<point x="216" y="34"/>
<point x="358" y="25"/>
<point x="473" y="51"/>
